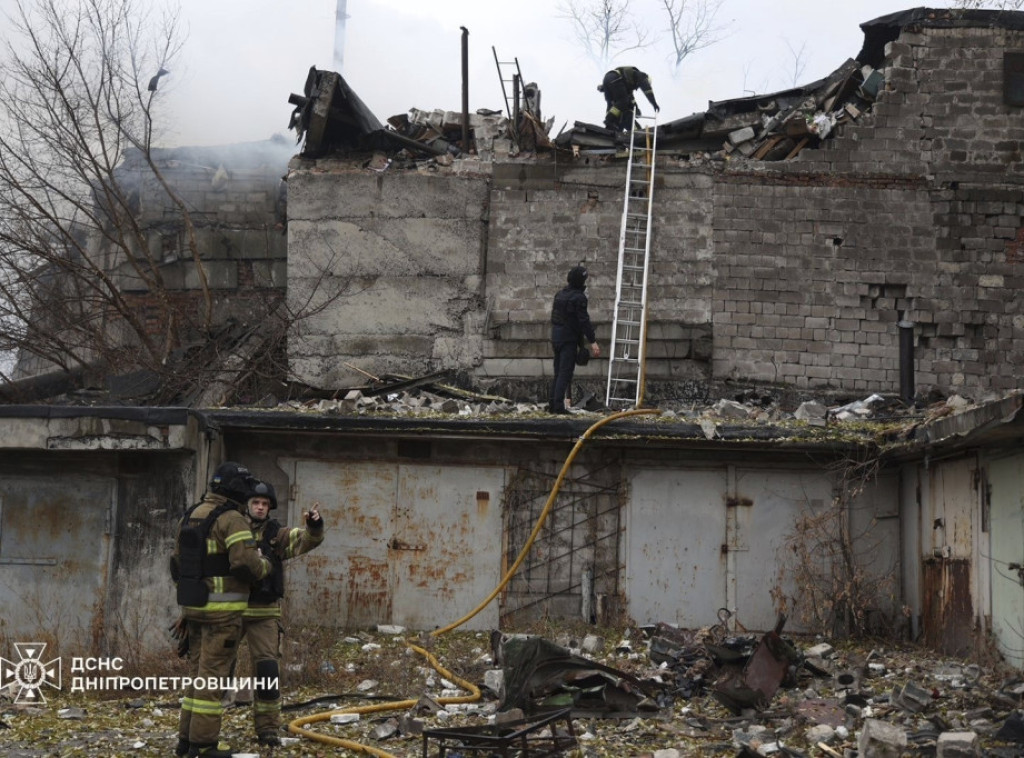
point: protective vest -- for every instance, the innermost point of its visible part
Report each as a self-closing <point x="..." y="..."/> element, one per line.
<point x="194" y="564"/>
<point x="271" y="587"/>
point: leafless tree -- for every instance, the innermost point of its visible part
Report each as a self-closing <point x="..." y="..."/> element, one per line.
<point x="1001" y="5"/>
<point x="692" y="26"/>
<point x="75" y="100"/>
<point x="91" y="217"/>
<point x="604" y="28"/>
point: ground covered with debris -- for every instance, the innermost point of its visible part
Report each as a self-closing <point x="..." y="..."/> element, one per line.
<point x="654" y="692"/>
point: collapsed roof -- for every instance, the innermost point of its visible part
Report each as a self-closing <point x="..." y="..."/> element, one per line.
<point x="772" y="126"/>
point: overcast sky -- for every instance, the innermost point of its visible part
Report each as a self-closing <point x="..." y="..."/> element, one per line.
<point x="242" y="58"/>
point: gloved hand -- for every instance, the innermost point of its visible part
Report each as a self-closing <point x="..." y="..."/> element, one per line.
<point x="657" y="108"/>
<point x="313" y="520"/>
<point x="179" y="631"/>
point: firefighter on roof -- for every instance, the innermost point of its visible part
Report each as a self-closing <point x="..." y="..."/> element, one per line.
<point x="618" y="87"/>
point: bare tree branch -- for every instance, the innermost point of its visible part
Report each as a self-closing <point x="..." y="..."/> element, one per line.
<point x="1000" y="5"/>
<point x="72" y="105"/>
<point x="604" y="28"/>
<point x="798" y="62"/>
<point x="692" y="26"/>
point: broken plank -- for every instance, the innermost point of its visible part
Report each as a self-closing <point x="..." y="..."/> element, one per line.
<point x="799" y="146"/>
<point x="767" y="145"/>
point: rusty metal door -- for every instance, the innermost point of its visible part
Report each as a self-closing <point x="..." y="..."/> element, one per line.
<point x="54" y="557"/>
<point x="349" y="571"/>
<point x="947" y="596"/>
<point x="768" y="503"/>
<point x="406" y="544"/>
<point x="700" y="540"/>
<point x="446" y="545"/>
<point x="674" y="563"/>
<point x="1006" y="478"/>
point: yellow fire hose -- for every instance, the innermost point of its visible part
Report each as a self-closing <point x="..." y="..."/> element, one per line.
<point x="297" y="726"/>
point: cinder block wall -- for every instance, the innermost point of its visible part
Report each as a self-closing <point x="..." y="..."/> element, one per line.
<point x="796" y="272"/>
<point x="390" y="267"/>
<point x="913" y="212"/>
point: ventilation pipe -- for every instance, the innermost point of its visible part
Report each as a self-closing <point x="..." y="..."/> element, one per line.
<point x="906" y="360"/>
<point x="465" y="89"/>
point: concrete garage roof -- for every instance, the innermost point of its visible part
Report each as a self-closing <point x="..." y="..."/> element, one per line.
<point x="144" y="428"/>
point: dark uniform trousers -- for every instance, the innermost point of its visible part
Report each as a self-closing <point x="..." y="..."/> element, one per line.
<point x="263" y="635"/>
<point x="213" y="646"/>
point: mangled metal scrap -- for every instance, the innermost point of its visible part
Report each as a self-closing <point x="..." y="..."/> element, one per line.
<point x="541" y="676"/>
<point x="524" y="738"/>
<point x="773" y="662"/>
<point x="330" y="115"/>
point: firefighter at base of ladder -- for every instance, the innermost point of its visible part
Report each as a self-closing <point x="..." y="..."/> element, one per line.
<point x="570" y="327"/>
<point x="262" y="627"/>
<point x="215" y="562"/>
<point x="618" y="87"/>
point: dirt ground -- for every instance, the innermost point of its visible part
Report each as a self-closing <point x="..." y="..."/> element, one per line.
<point x="821" y="711"/>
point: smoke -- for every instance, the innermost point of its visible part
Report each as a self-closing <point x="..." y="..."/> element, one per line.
<point x="339" y="36"/>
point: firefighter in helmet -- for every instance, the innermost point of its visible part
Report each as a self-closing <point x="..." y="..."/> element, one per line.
<point x="618" y="87"/>
<point x="261" y="621"/>
<point x="215" y="562"/>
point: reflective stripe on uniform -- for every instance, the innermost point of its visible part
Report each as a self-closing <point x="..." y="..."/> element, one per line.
<point x="267" y="706"/>
<point x="231" y="539"/>
<point x="204" y="707"/>
<point x="263" y="612"/>
<point x="239" y="605"/>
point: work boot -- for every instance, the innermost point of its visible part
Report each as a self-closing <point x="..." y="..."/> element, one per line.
<point x="218" y="750"/>
<point x="181" y="749"/>
<point x="268" y="738"/>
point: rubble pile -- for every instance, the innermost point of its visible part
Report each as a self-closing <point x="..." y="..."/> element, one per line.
<point x="656" y="685"/>
<point x="751" y="406"/>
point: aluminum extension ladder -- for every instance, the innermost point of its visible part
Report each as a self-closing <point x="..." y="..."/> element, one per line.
<point x="629" y="326"/>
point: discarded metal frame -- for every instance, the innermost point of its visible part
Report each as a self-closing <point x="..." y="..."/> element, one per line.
<point x="756" y="683"/>
<point x="521" y="738"/>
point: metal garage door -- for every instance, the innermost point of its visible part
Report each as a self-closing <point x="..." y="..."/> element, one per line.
<point x="415" y="545"/>
<point x="54" y="557"/>
<point x="699" y="540"/>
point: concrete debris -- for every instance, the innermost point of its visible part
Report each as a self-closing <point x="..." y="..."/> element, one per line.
<point x="859" y="409"/>
<point x="385" y="730"/>
<point x="775" y="126"/>
<point x="841" y="706"/>
<point x="428" y="397"/>
<point x="879" y="739"/>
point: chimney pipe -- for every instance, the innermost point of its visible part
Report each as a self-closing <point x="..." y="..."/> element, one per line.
<point x="906" y="361"/>
<point x="465" y="89"/>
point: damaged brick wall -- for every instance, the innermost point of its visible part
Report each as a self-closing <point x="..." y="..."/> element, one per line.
<point x="235" y="196"/>
<point x="792" y="271"/>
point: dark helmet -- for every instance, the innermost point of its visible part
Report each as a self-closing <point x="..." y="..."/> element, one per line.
<point x="265" y="489"/>
<point x="233" y="481"/>
<point x="577" y="277"/>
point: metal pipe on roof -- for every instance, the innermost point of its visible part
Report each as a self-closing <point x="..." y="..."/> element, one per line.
<point x="906" y="361"/>
<point x="465" y="89"/>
